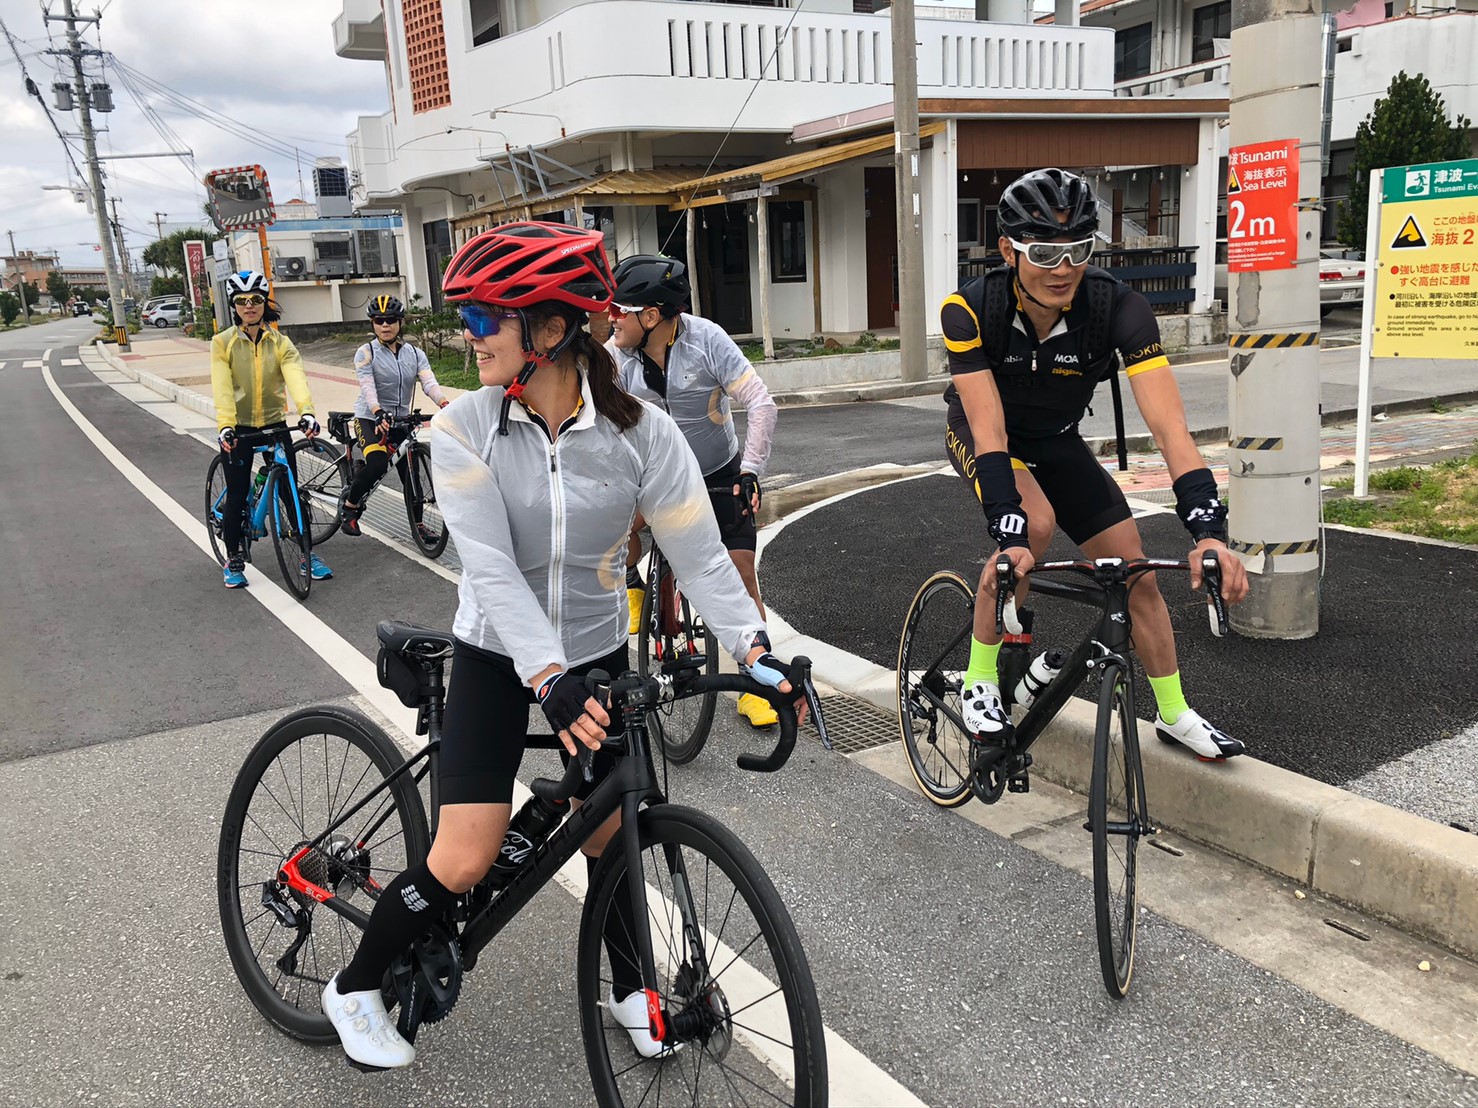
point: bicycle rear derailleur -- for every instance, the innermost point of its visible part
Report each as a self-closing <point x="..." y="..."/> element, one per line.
<point x="425" y="981"/>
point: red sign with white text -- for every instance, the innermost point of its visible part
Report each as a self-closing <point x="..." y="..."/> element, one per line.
<point x="1262" y="206"/>
<point x="195" y="277"/>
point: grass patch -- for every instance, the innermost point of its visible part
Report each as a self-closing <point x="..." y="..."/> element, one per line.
<point x="1436" y="502"/>
<point x="452" y="369"/>
<point x="866" y="341"/>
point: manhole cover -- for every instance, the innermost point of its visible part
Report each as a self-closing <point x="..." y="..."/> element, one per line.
<point x="854" y="725"/>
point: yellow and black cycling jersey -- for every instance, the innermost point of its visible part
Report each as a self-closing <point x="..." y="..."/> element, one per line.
<point x="1047" y="385"/>
<point x="252" y="380"/>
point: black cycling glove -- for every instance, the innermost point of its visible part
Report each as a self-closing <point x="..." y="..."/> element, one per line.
<point x="749" y="492"/>
<point x="1199" y="507"/>
<point x="227" y="438"/>
<point x="563" y="698"/>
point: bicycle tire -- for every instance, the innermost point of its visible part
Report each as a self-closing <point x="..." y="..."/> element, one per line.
<point x="242" y="867"/>
<point x="715" y="1007"/>
<point x="685" y="723"/>
<point x="323" y="477"/>
<point x="294" y="544"/>
<point x="215" y="501"/>
<point x="1117" y="818"/>
<point x="420" y="498"/>
<point x="939" y="756"/>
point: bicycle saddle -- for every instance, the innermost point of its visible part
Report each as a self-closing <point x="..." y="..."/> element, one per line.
<point x="406" y="638"/>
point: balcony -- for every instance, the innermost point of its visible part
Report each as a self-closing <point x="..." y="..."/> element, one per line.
<point x="359" y="31"/>
<point x="1211" y="79"/>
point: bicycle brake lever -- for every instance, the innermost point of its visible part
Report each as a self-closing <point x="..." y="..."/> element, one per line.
<point x="1006" y="618"/>
<point x="1216" y="608"/>
<point x="813" y="703"/>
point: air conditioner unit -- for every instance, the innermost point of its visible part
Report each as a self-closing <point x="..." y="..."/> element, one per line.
<point x="292" y="268"/>
<point x="333" y="254"/>
<point x="332" y="267"/>
<point x="374" y="253"/>
<point x="331" y="188"/>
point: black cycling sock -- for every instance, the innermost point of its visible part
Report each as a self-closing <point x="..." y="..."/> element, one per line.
<point x="620" y="937"/>
<point x="633" y="578"/>
<point x="407" y="908"/>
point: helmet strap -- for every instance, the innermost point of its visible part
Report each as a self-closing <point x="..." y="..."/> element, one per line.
<point x="1016" y="280"/>
<point x="533" y="359"/>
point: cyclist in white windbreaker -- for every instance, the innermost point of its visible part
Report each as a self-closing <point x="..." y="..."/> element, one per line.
<point x="539" y="475"/>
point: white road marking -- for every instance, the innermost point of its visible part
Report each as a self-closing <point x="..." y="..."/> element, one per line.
<point x="855" y="1079"/>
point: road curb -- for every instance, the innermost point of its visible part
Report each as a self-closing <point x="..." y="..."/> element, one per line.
<point x="180" y="394"/>
<point x="1410" y="871"/>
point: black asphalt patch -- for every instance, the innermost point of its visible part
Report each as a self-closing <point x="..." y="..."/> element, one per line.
<point x="1386" y="674"/>
<point x="109" y="610"/>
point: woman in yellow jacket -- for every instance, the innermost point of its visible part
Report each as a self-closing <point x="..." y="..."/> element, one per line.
<point x="252" y="369"/>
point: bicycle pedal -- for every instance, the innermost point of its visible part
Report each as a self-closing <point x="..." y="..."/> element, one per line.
<point x="365" y="1067"/>
<point x="1020" y="783"/>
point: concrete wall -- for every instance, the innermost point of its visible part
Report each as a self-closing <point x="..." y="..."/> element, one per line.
<point x="843" y="265"/>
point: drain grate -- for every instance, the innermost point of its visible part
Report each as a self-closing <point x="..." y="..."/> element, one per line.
<point x="854" y="725"/>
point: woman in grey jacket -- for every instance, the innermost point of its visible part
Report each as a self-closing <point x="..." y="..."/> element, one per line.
<point x="539" y="475"/>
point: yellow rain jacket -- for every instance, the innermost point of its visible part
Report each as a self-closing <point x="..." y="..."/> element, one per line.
<point x="251" y="381"/>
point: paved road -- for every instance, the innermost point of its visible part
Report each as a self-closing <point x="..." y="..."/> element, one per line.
<point x="138" y="684"/>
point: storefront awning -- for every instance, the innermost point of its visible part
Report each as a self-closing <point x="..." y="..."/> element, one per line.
<point x="621" y="186"/>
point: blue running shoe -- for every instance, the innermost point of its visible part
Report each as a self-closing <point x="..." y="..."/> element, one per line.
<point x="319" y="571"/>
<point x="235" y="574"/>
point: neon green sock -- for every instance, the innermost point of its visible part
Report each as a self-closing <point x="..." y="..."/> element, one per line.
<point x="983" y="658"/>
<point x="1169" y="697"/>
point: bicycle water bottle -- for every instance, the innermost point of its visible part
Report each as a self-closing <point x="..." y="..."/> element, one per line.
<point x="258" y="482"/>
<point x="1048" y="665"/>
<point x="534" y="823"/>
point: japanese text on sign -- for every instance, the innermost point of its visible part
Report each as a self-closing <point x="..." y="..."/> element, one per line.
<point x="1262" y="206"/>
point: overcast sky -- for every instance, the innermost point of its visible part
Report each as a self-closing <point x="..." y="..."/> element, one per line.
<point x="269" y="64"/>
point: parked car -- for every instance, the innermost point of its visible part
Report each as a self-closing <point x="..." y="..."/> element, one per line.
<point x="80" y="308"/>
<point x="166" y="314"/>
<point x="1341" y="279"/>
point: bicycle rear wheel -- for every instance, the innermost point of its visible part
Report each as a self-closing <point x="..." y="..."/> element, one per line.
<point x="215" y="507"/>
<point x="670" y="628"/>
<point x="733" y="981"/>
<point x="306" y="772"/>
<point x="293" y="542"/>
<point x="932" y="659"/>
<point x="420" y="503"/>
<point x="1117" y="817"/>
<point x="323" y="475"/>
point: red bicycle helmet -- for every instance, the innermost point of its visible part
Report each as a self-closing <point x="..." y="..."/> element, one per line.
<point x="518" y="265"/>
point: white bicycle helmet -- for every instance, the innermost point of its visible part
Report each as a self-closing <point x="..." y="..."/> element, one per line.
<point x="247" y="281"/>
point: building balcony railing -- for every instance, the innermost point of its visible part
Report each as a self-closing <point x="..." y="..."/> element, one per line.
<point x="1211" y="78"/>
<point x="359" y="31"/>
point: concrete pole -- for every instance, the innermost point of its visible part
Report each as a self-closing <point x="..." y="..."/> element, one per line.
<point x="762" y="203"/>
<point x="20" y="287"/>
<point x="913" y="356"/>
<point x="125" y="266"/>
<point x="1274" y="387"/>
<point x="95" y="175"/>
<point x="691" y="237"/>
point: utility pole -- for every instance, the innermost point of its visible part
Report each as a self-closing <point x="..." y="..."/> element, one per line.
<point x="21" y="284"/>
<point x="159" y="223"/>
<point x="89" y="140"/>
<point x="125" y="262"/>
<point x="1273" y="460"/>
<point x="912" y="355"/>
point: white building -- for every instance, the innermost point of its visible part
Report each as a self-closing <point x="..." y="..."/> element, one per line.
<point x="625" y="114"/>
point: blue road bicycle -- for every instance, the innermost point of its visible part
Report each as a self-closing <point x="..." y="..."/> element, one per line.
<point x="273" y="507"/>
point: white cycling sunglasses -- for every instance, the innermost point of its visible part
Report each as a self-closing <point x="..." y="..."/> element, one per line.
<point x="1049" y="255"/>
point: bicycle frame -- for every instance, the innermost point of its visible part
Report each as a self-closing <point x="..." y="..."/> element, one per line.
<point x="257" y="504"/>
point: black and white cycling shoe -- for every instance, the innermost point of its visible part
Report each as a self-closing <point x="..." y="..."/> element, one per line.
<point x="1190" y="730"/>
<point x="983" y="712"/>
<point x="369" y="1038"/>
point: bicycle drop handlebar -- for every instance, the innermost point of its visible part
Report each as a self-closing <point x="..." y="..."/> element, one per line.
<point x="1107" y="571"/>
<point x="645" y="693"/>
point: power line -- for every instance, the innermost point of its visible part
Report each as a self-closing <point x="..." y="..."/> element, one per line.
<point x="36" y="92"/>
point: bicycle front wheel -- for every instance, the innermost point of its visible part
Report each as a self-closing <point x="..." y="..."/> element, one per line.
<point x="735" y="987"/>
<point x="304" y="774"/>
<point x="670" y="628"/>
<point x="933" y="654"/>
<point x="323" y="475"/>
<point x="428" y="528"/>
<point x="215" y="507"/>
<point x="291" y="540"/>
<point x="1117" y="817"/>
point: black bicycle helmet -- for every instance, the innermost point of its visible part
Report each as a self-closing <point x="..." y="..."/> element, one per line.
<point x="385" y="305"/>
<point x="1030" y="204"/>
<point x="651" y="280"/>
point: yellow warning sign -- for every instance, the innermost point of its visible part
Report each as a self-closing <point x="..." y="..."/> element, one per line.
<point x="1409" y="236"/>
<point x="1233" y="185"/>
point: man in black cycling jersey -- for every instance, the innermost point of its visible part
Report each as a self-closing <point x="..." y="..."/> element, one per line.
<point x="1027" y="345"/>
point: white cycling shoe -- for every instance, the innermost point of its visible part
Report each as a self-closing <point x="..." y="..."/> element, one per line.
<point x="1190" y="730"/>
<point x="983" y="712"/>
<point x="369" y="1038"/>
<point x="631" y="1014"/>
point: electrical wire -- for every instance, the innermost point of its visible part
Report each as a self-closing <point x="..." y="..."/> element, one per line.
<point x="35" y="91"/>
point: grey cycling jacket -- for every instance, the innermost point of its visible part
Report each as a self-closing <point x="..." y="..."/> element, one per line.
<point x="387" y="378"/>
<point x="541" y="529"/>
<point x="704" y="369"/>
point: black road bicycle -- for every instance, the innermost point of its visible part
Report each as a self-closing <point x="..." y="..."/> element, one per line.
<point x="327" y="811"/>
<point x="327" y="474"/>
<point x="951" y="766"/>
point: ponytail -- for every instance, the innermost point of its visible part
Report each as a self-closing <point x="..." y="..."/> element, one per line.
<point x="611" y="400"/>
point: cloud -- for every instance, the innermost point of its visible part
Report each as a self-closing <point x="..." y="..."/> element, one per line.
<point x="268" y="65"/>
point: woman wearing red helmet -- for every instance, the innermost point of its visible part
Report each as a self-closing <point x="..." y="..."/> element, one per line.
<point x="539" y="475"/>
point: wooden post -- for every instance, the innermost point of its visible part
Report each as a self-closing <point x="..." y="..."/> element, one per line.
<point x="816" y="257"/>
<point x="691" y="236"/>
<point x="766" y="338"/>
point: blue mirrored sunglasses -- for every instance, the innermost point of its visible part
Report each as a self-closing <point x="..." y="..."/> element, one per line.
<point x="483" y="320"/>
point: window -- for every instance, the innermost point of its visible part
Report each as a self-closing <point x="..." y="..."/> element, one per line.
<point x="1132" y="52"/>
<point x="1212" y="22"/>
<point x="967" y="223"/>
<point x="788" y="241"/>
<point x="861" y="7"/>
<point x="486" y="18"/>
<point x="1390" y="9"/>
